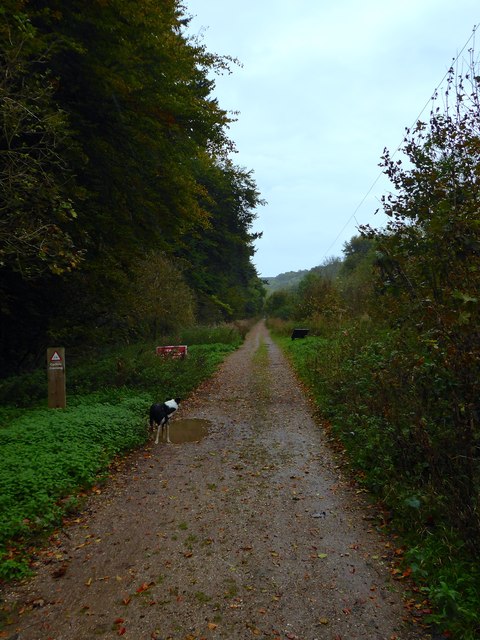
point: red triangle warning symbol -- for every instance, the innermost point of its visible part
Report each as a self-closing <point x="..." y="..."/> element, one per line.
<point x="55" y="357"/>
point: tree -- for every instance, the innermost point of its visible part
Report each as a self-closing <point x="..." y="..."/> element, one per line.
<point x="356" y="275"/>
<point x="428" y="290"/>
<point x="281" y="304"/>
<point x="158" y="301"/>
<point x="36" y="178"/>
<point x="119" y="149"/>
<point x="230" y="286"/>
<point x="317" y="297"/>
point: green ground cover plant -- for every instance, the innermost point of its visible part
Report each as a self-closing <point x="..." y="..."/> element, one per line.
<point x="49" y="456"/>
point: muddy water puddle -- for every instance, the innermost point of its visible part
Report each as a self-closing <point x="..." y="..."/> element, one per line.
<point x="188" y="430"/>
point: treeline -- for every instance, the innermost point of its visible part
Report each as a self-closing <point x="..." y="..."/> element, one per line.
<point x="121" y="212"/>
<point x="394" y="360"/>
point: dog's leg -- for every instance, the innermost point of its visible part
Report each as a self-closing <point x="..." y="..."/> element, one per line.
<point x="158" y="433"/>
<point x="168" y="431"/>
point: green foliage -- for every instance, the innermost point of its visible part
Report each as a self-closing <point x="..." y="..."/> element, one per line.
<point x="23" y="389"/>
<point x="236" y="291"/>
<point x="281" y="304"/>
<point x="453" y="582"/>
<point x="317" y="299"/>
<point x="116" y="180"/>
<point x="157" y="299"/>
<point x="429" y="283"/>
<point x="355" y="278"/>
<point x="386" y="407"/>
<point x="135" y="367"/>
<point x="228" y="334"/>
<point x="36" y="179"/>
<point x="49" y="455"/>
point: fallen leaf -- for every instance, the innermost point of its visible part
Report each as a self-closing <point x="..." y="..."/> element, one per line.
<point x="119" y="621"/>
<point x="39" y="602"/>
<point x="89" y="582"/>
<point x="212" y="626"/>
<point x="61" y="571"/>
<point x="127" y="600"/>
<point x="323" y="621"/>
<point x="322" y="555"/>
<point x="143" y="587"/>
<point x="121" y="631"/>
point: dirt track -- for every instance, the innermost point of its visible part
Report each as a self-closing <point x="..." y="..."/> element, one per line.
<point x="250" y="533"/>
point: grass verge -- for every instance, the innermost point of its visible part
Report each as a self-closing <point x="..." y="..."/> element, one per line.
<point x="49" y="456"/>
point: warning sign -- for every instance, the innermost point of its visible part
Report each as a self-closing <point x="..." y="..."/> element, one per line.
<point x="55" y="361"/>
<point x="173" y="351"/>
<point x="56" y="377"/>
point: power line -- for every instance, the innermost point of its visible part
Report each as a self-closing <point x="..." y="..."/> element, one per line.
<point x="429" y="101"/>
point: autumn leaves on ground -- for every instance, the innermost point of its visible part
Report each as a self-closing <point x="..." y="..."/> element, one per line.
<point x="250" y="532"/>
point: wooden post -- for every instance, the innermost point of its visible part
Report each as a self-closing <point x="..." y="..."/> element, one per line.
<point x="57" y="396"/>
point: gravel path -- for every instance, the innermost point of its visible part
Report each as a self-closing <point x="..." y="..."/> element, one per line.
<point x="251" y="532"/>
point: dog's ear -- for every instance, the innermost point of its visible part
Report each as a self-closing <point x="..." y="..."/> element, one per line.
<point x="178" y="400"/>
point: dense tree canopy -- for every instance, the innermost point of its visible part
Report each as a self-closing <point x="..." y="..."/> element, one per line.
<point x="113" y="146"/>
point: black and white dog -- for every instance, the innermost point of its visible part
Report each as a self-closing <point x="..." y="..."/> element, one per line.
<point x="160" y="414"/>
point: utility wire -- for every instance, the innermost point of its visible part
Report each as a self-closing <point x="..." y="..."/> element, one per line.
<point x="429" y="101"/>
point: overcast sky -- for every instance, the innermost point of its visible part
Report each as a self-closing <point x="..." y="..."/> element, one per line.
<point x="324" y="87"/>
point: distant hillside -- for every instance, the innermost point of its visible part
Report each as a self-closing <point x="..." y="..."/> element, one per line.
<point x="286" y="280"/>
<point x="291" y="279"/>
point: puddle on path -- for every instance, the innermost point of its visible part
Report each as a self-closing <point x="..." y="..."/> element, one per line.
<point x="188" y="430"/>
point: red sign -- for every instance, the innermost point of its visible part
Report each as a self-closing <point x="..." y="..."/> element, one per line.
<point x="172" y="351"/>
